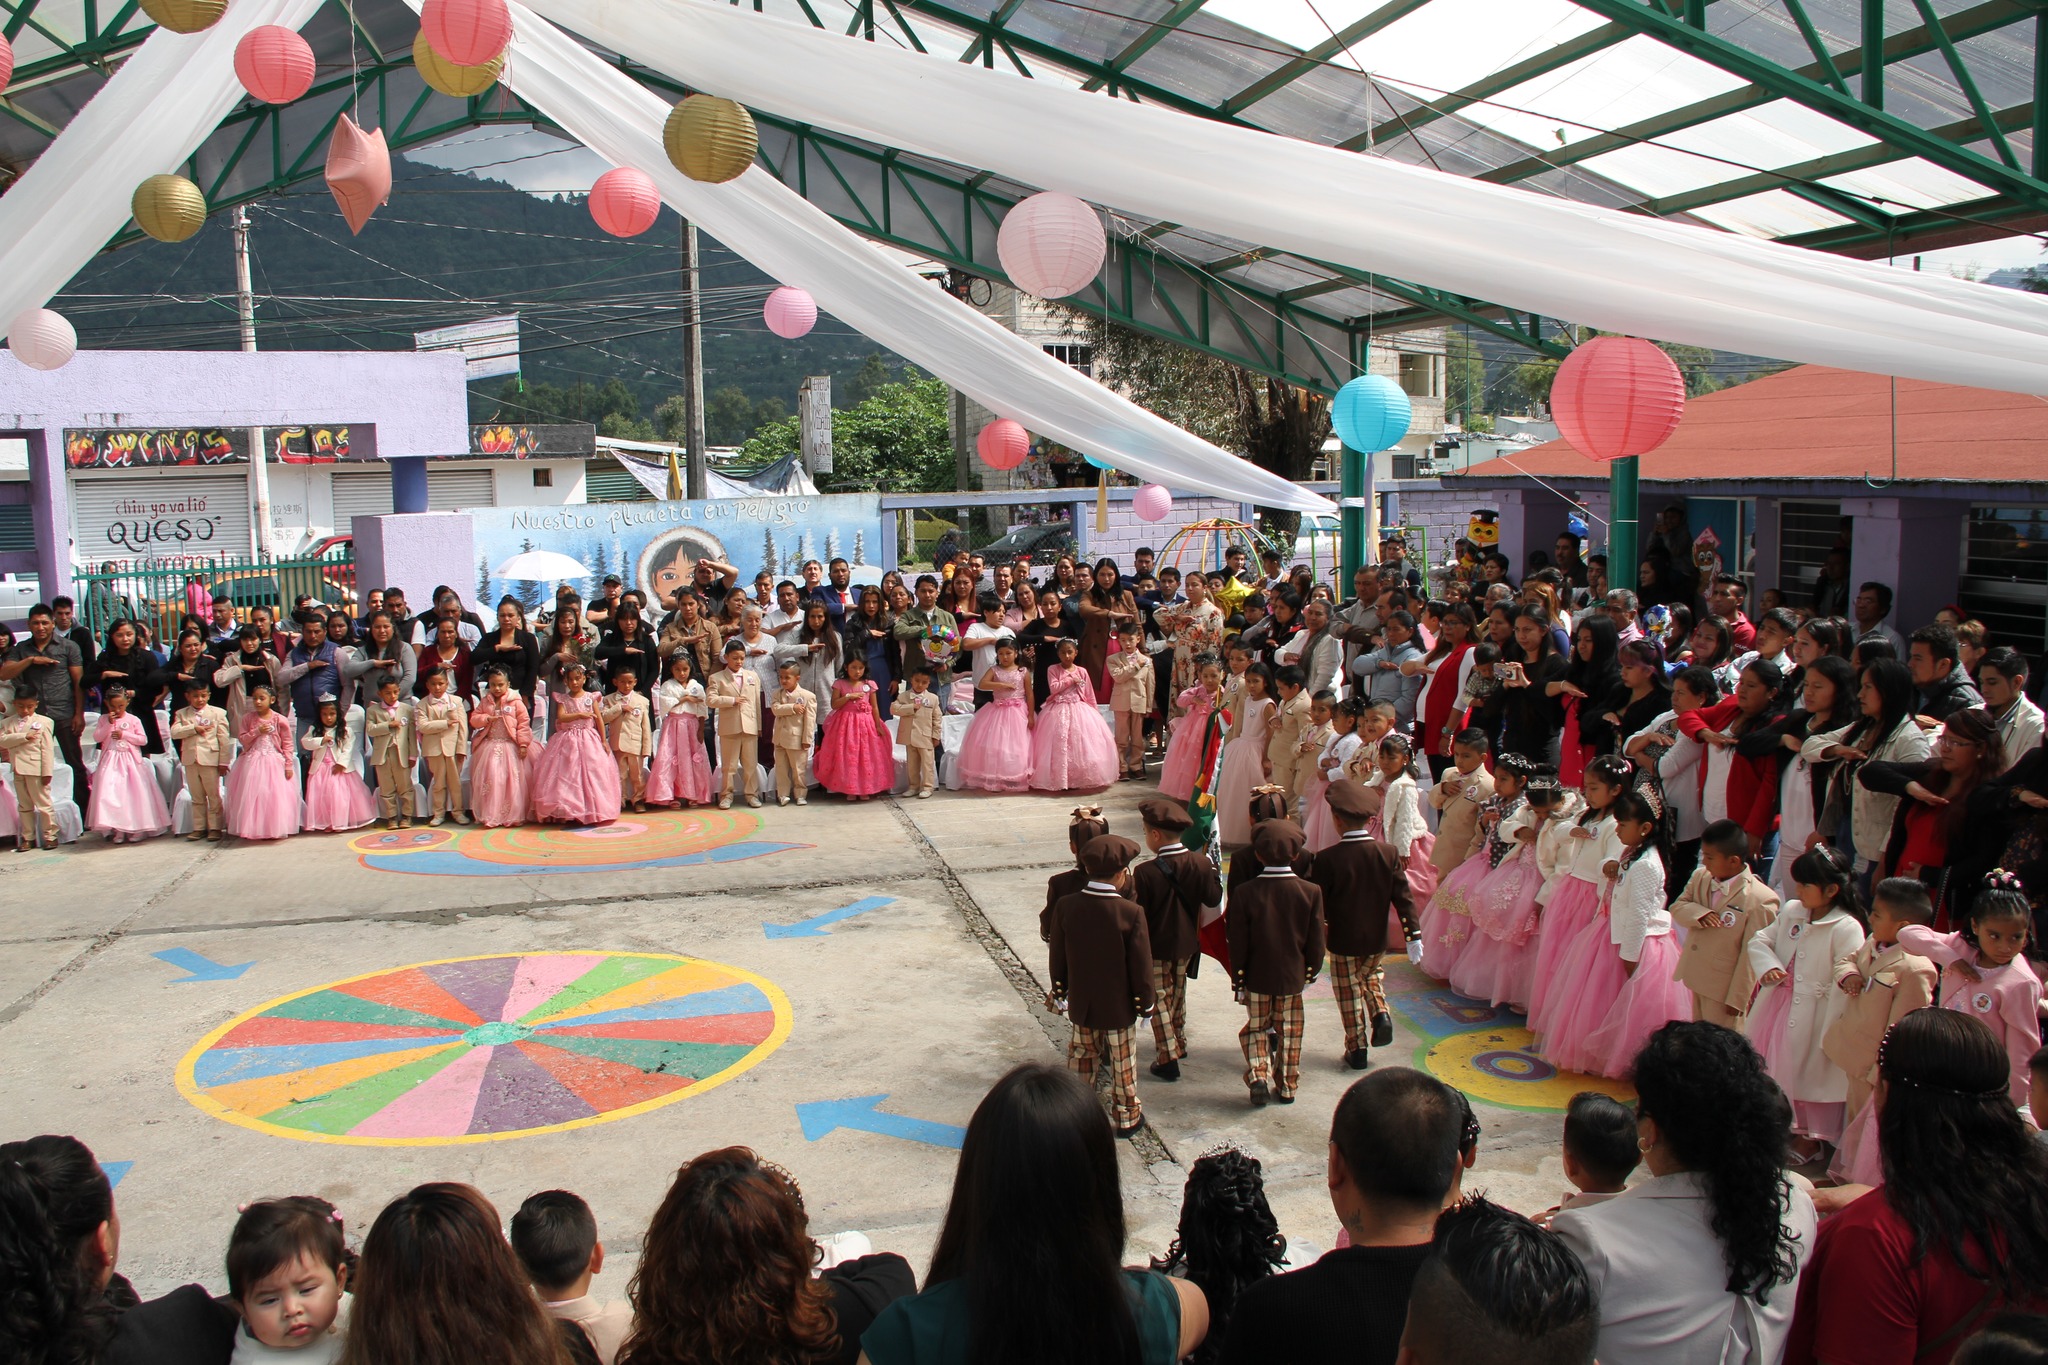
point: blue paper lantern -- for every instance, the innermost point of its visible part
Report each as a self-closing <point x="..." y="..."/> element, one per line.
<point x="1370" y="413"/>
<point x="1102" y="465"/>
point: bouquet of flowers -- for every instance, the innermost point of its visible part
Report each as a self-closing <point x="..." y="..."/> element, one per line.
<point x="941" y="644"/>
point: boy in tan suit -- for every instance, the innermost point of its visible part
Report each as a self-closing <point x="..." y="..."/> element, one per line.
<point x="796" y="730"/>
<point x="1284" y="744"/>
<point x="29" y="743"/>
<point x="200" y="730"/>
<point x="736" y="695"/>
<point x="387" y="722"/>
<point x="918" y="717"/>
<point x="630" y="729"/>
<point x="1457" y="799"/>
<point x="1130" y="698"/>
<point x="1885" y="983"/>
<point x="1722" y="907"/>
<point x="442" y="724"/>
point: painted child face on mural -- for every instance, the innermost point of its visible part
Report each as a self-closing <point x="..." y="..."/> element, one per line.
<point x="670" y="562"/>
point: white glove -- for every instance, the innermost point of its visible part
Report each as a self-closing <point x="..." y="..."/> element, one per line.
<point x="1415" y="951"/>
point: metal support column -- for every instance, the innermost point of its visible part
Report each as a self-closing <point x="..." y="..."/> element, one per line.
<point x="697" y="485"/>
<point x="1356" y="488"/>
<point x="1622" y="507"/>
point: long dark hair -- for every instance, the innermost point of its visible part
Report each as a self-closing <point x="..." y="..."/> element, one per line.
<point x="1035" y="1227"/>
<point x="1227" y="1238"/>
<point x="1824" y="865"/>
<point x="824" y="635"/>
<point x="1725" y="1119"/>
<point x="1772" y="678"/>
<point x="1894" y="684"/>
<point x="438" y="1285"/>
<point x="1960" y="1168"/>
<point x="1095" y="590"/>
<point x="1974" y="726"/>
<point x="1548" y="643"/>
<point x="53" y="1198"/>
<point x="1456" y="611"/>
<point x="1596" y="677"/>
<point x="725" y="1271"/>
<point x="1838" y="671"/>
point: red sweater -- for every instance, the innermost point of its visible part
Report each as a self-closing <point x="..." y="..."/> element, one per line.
<point x="1752" y="782"/>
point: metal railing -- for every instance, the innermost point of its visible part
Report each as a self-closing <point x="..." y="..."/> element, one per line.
<point x="162" y="593"/>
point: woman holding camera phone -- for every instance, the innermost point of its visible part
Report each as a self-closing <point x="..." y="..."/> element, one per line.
<point x="1530" y="717"/>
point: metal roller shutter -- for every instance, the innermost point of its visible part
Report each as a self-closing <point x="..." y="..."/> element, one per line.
<point x="360" y="495"/>
<point x="161" y="514"/>
<point x="452" y="490"/>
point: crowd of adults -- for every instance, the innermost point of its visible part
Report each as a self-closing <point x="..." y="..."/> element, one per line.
<point x="1717" y="1256"/>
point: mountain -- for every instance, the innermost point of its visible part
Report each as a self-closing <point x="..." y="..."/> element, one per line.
<point x="453" y="247"/>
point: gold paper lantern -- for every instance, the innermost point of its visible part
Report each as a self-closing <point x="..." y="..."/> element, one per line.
<point x="184" y="16"/>
<point x="169" y="208"/>
<point x="710" y="139"/>
<point x="445" y="76"/>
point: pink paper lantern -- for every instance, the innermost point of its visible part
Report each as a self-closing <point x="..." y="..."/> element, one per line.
<point x="6" y="61"/>
<point x="1617" y="396"/>
<point x="467" y="32"/>
<point x="42" y="339"/>
<point x="1152" y="502"/>
<point x="625" y="202"/>
<point x="1051" y="245"/>
<point x="358" y="171"/>
<point x="790" y="312"/>
<point x="1003" y="444"/>
<point x="274" y="63"/>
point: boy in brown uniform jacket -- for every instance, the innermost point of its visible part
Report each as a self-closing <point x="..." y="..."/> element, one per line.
<point x="1722" y="907"/>
<point x="1885" y="983"/>
<point x="1361" y="878"/>
<point x="1172" y="888"/>
<point x="1085" y="824"/>
<point x="1274" y="927"/>
<point x="1101" y="968"/>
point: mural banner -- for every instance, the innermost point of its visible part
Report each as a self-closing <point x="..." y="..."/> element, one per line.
<point x="655" y="546"/>
<point x="159" y="447"/>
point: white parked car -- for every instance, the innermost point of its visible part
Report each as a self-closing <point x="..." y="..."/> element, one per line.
<point x="1318" y="543"/>
<point x="18" y="592"/>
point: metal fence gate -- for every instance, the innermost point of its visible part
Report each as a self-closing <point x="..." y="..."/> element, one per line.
<point x="162" y="593"/>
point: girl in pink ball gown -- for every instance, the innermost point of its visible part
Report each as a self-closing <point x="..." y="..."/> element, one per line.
<point x="1073" y="749"/>
<point x="1244" y="763"/>
<point x="335" y="797"/>
<point x="502" y="753"/>
<point x="1184" y="749"/>
<point x="680" y="774"/>
<point x="263" y="782"/>
<point x="995" y="754"/>
<point x="576" y="780"/>
<point x="856" y="758"/>
<point x="126" y="803"/>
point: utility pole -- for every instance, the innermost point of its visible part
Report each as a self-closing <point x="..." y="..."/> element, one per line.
<point x="259" y="469"/>
<point x="693" y="367"/>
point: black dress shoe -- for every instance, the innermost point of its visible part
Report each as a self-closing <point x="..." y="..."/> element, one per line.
<point x="1279" y="1098"/>
<point x="1383" y="1029"/>
<point x="1358" y="1059"/>
<point x="1166" y="1071"/>
<point x="1131" y="1131"/>
<point x="1261" y="1096"/>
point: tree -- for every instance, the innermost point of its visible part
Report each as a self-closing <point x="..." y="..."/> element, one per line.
<point x="872" y="375"/>
<point x="1532" y="378"/>
<point x="728" y="416"/>
<point x="894" y="441"/>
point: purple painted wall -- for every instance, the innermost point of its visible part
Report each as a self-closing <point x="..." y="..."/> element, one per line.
<point x="419" y="552"/>
<point x="418" y="404"/>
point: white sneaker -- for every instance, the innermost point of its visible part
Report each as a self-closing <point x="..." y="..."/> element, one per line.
<point x="925" y="795"/>
<point x="754" y="801"/>
<point x="725" y="803"/>
<point x="781" y="800"/>
<point x="436" y="821"/>
<point x="801" y="802"/>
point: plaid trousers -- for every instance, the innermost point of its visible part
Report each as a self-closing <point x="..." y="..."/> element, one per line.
<point x="1086" y="1051"/>
<point x="1169" y="1010"/>
<point x="1270" y="1014"/>
<point x="1356" y="984"/>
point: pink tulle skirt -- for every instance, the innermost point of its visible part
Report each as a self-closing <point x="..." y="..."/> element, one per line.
<point x="995" y="754"/>
<point x="1648" y="1001"/>
<point x="1769" y="1024"/>
<point x="856" y="758"/>
<point x="681" y="771"/>
<point x="1590" y="980"/>
<point x="262" y="800"/>
<point x="1573" y="906"/>
<point x="501" y="782"/>
<point x="576" y="779"/>
<point x="1499" y="961"/>
<point x="1447" y="918"/>
<point x="1315" y="813"/>
<point x="1073" y="749"/>
<point x="1243" y="767"/>
<point x="1857" y="1160"/>
<point x="1184" y="757"/>
<point x="125" y="796"/>
<point x="336" y="800"/>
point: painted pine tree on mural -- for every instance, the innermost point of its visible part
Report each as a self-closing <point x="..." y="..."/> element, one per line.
<point x="769" y="564"/>
<point x="860" y="548"/>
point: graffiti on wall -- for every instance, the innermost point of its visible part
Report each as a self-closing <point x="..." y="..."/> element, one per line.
<point x="164" y="447"/>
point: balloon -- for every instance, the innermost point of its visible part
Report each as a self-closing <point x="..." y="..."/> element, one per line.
<point x="184" y="16"/>
<point x="6" y="61"/>
<point x="274" y="63"/>
<point x="41" y="339"/>
<point x="1102" y="465"/>
<point x="1051" y="245"/>
<point x="467" y="32"/>
<point x="790" y="312"/>
<point x="710" y="139"/>
<point x="1152" y="502"/>
<point x="169" y="208"/>
<point x="625" y="202"/>
<point x="358" y="171"/>
<point x="457" y="82"/>
<point x="1370" y="413"/>
<point x="1003" y="444"/>
<point x="1617" y="396"/>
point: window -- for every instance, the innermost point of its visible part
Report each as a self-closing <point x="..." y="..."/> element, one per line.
<point x="543" y="478"/>
<point x="610" y="481"/>
<point x="1081" y="358"/>
<point x="17" y="528"/>
<point x="1806" y="532"/>
<point x="1419" y="375"/>
<point x="2004" y="582"/>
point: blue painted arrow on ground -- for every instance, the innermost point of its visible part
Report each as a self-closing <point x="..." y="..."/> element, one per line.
<point x="861" y="1115"/>
<point x="814" y="927"/>
<point x="114" y="1170"/>
<point x="202" y="968"/>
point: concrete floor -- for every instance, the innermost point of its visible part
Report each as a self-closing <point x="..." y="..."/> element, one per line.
<point x="925" y="1000"/>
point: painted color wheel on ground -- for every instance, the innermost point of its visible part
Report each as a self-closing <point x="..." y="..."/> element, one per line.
<point x="655" y="839"/>
<point x="1496" y="1065"/>
<point x="478" y="1049"/>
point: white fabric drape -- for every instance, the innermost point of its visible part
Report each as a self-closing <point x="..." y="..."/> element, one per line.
<point x="1613" y="270"/>
<point x="153" y="114"/>
<point x="779" y="231"/>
